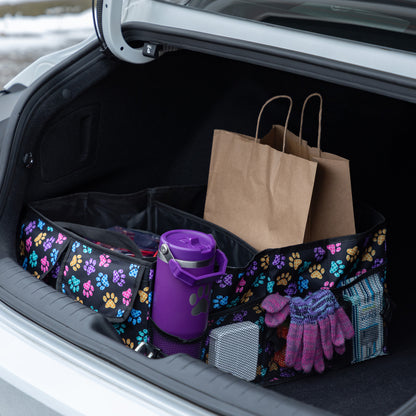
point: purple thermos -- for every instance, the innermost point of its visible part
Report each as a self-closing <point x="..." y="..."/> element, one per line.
<point x="188" y="262"/>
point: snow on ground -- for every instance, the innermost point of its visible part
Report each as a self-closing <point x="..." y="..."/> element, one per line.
<point x="7" y="2"/>
<point x="29" y="31"/>
<point x="23" y="39"/>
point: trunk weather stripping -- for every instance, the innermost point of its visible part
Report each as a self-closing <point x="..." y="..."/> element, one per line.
<point x="113" y="36"/>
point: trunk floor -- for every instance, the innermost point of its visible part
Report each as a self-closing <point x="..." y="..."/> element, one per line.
<point x="374" y="387"/>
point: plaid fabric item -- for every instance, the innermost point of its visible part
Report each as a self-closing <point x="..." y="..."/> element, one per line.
<point x="367" y="302"/>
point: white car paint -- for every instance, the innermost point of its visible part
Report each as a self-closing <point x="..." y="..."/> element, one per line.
<point x="72" y="382"/>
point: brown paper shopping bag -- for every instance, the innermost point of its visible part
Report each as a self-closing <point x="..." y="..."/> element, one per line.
<point x="259" y="193"/>
<point x="332" y="212"/>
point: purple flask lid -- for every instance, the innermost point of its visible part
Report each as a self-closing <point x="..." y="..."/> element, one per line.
<point x="189" y="245"/>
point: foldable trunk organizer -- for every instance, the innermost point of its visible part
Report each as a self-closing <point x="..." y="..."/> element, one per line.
<point x="70" y="243"/>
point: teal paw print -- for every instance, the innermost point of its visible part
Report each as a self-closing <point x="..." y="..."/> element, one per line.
<point x="120" y="328"/>
<point x="143" y="336"/>
<point x="305" y="266"/>
<point x="259" y="280"/>
<point x="270" y="285"/>
<point x="33" y="259"/>
<point x="337" y="268"/>
<point x="74" y="284"/>
<point x="86" y="249"/>
<point x="260" y="322"/>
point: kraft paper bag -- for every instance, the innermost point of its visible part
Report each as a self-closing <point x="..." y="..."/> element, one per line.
<point x="261" y="194"/>
<point x="332" y="211"/>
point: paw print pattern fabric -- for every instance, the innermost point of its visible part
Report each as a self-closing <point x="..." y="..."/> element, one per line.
<point x="102" y="279"/>
<point x="121" y="287"/>
<point x="298" y="271"/>
<point x="304" y="268"/>
<point x="106" y="279"/>
<point x="301" y="269"/>
<point x="40" y="247"/>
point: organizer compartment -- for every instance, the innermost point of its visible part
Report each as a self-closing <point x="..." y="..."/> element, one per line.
<point x="70" y="256"/>
<point x="68" y="252"/>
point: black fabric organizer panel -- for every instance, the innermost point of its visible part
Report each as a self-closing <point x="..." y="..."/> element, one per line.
<point x="155" y="210"/>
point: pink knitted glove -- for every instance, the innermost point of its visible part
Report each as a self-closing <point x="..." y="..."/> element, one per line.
<point x="277" y="309"/>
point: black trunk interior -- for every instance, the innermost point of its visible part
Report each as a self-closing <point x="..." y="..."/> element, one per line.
<point x="120" y="128"/>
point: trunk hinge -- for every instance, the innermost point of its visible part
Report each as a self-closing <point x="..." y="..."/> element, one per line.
<point x="109" y="18"/>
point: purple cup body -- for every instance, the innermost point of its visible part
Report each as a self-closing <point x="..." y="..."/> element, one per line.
<point x="184" y="276"/>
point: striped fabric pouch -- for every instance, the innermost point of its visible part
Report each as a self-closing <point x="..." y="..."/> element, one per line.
<point x="367" y="304"/>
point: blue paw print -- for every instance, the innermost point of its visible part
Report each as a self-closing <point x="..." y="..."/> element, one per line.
<point x="220" y="320"/>
<point x="102" y="281"/>
<point x="54" y="256"/>
<point x="220" y="301"/>
<point x="75" y="246"/>
<point x="135" y="317"/>
<point x="303" y="284"/>
<point x="134" y="269"/>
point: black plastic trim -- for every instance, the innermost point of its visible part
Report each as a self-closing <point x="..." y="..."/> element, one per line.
<point x="48" y="84"/>
<point x="408" y="409"/>
<point x="306" y="65"/>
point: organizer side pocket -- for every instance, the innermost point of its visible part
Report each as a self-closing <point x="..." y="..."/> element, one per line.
<point x="367" y="300"/>
<point x="136" y="328"/>
<point x="41" y="246"/>
<point x="101" y="279"/>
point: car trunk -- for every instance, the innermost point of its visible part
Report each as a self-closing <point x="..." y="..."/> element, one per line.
<point x="99" y="125"/>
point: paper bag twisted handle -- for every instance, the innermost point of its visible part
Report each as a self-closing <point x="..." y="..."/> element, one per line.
<point x="287" y="117"/>
<point x="315" y="94"/>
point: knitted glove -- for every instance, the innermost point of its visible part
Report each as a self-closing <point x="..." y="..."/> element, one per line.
<point x="313" y="355"/>
<point x="319" y="364"/>
<point x="295" y="337"/>
<point x="304" y="345"/>
<point x="334" y="324"/>
<point x="277" y="309"/>
<point x="344" y="323"/>
<point x="318" y="325"/>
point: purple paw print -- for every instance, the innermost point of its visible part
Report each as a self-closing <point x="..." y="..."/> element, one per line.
<point x="279" y="261"/>
<point x="319" y="253"/>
